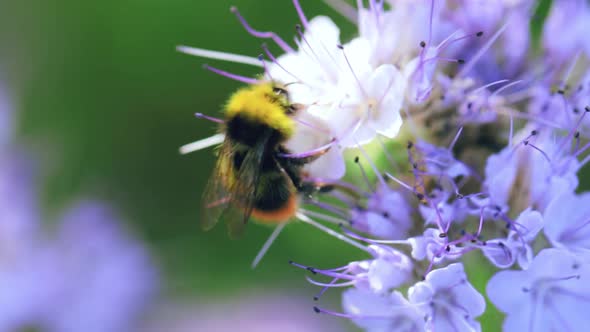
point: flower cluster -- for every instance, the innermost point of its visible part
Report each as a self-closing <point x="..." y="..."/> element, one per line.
<point x="85" y="274"/>
<point x="495" y="131"/>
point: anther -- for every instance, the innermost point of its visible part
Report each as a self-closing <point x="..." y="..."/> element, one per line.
<point x="422" y="44"/>
<point x="577" y="134"/>
<point x="356" y="159"/>
<point x="534" y="132"/>
<point x="460" y="61"/>
<point x="479" y="34"/>
<point x="587" y="108"/>
<point x="442" y="235"/>
<point x="561" y="91"/>
<point x="410" y="144"/>
<point x="317" y="310"/>
<point x="340" y="46"/>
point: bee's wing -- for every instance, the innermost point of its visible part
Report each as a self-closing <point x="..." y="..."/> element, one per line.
<point x="230" y="194"/>
<point x="216" y="197"/>
<point x="244" y="189"/>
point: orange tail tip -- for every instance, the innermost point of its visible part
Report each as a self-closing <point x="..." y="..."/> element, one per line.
<point x="277" y="216"/>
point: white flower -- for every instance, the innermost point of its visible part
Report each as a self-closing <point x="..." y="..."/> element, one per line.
<point x="371" y="106"/>
<point x="313" y="133"/>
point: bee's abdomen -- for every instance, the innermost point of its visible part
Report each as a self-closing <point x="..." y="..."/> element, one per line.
<point x="276" y="199"/>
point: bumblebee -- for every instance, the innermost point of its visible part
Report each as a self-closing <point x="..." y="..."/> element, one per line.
<point x="255" y="175"/>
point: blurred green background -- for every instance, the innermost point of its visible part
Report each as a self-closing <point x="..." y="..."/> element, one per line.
<point x="105" y="101"/>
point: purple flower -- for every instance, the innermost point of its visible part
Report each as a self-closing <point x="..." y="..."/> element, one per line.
<point x="567" y="223"/>
<point x="495" y="136"/>
<point x="94" y="278"/>
<point x="387" y="216"/>
<point x="6" y="117"/>
<point x="515" y="247"/>
<point x="574" y="15"/>
<point x="448" y="299"/>
<point x="381" y="312"/>
<point x="107" y="278"/>
<point x="553" y="294"/>
<point x="262" y="311"/>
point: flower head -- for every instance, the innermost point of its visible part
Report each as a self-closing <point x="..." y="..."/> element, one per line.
<point x="550" y="295"/>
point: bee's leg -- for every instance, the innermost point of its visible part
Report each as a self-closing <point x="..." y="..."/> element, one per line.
<point x="304" y="157"/>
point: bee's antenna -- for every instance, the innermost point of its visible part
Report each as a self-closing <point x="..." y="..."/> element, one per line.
<point x="267" y="244"/>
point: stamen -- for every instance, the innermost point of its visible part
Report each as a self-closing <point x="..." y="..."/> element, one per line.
<point x="481" y="52"/>
<point x="371" y="163"/>
<point x="570" y="135"/>
<point x="431" y="22"/>
<point x="300" y="13"/>
<point x="538" y="149"/>
<point x="388" y="156"/>
<point x="360" y="86"/>
<point x="236" y="77"/>
<point x="343" y="9"/>
<point x="359" y="237"/>
<point x="455" y="139"/>
<point x="400" y="182"/>
<point x="364" y="174"/>
<point x="329" y="231"/>
<point x="237" y="58"/>
<point x="202" y="144"/>
<point x="476" y="91"/>
<point x="268" y="243"/>
<point x="210" y="118"/>
<point x="325" y="217"/>
<point x="323" y="284"/>
<point x="495" y="93"/>
<point x="262" y="34"/>
<point x="274" y="60"/>
<point x="324" y="289"/>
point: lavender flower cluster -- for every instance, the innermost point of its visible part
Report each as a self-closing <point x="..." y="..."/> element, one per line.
<point x="495" y="131"/>
<point x="83" y="274"/>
